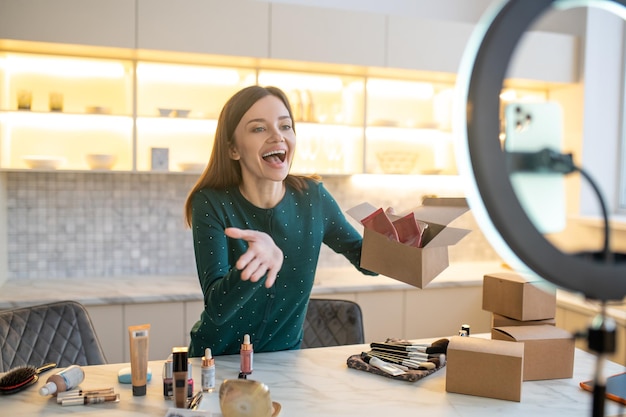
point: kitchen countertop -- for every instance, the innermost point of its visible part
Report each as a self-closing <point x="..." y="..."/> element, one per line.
<point x="152" y="289"/>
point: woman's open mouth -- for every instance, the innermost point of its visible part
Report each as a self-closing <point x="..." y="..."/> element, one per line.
<point x="276" y="157"/>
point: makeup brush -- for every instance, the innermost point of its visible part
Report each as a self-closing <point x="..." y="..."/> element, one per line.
<point x="21" y="377"/>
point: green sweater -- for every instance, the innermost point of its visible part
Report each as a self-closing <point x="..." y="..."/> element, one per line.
<point x="273" y="317"/>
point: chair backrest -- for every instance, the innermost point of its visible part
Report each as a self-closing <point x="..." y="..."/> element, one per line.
<point x="60" y="332"/>
<point x="332" y="323"/>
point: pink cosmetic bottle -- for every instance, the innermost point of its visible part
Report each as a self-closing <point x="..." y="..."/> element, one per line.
<point x="246" y="355"/>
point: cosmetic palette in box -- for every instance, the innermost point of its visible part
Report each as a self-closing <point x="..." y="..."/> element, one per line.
<point x="548" y="350"/>
<point x="416" y="266"/>
<point x="485" y="368"/>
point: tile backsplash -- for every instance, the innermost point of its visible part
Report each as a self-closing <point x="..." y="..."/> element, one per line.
<point x="84" y="224"/>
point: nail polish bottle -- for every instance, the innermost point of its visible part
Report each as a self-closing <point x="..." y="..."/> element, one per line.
<point x="168" y="378"/>
<point x="246" y="355"/>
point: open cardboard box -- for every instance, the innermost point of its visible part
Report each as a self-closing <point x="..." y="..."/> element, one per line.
<point x="414" y="266"/>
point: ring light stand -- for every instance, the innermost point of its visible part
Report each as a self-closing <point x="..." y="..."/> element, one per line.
<point x="490" y="194"/>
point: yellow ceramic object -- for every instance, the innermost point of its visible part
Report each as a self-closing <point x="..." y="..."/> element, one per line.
<point x="246" y="398"/>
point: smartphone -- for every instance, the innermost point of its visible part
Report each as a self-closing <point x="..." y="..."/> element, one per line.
<point x="531" y="127"/>
<point x="615" y="387"/>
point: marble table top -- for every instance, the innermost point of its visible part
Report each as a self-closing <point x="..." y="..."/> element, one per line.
<point x="317" y="382"/>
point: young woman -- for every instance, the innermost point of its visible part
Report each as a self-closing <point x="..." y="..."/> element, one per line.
<point x="257" y="229"/>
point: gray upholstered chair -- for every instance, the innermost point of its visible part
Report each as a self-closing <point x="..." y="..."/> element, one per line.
<point x="332" y="323"/>
<point x="60" y="332"/>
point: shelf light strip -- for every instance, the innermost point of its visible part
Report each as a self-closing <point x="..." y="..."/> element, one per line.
<point x="396" y="88"/>
<point x="288" y="82"/>
<point x="62" y="67"/>
<point x="186" y="74"/>
<point x="65" y="122"/>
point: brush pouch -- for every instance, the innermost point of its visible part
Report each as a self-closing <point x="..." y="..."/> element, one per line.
<point x="412" y="375"/>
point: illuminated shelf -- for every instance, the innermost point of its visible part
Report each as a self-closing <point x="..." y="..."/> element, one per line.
<point x="349" y="120"/>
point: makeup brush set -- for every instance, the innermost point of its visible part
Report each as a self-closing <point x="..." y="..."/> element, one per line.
<point x="401" y="359"/>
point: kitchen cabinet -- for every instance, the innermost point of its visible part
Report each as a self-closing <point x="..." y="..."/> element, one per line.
<point x="408" y="313"/>
<point x="107" y="320"/>
<point x="316" y="34"/>
<point x="59" y="109"/>
<point x="426" y="45"/>
<point x="438" y="46"/>
<point x="378" y="325"/>
<point x="441" y="311"/>
<point x="193" y="309"/>
<point x="414" y="313"/>
<point x="329" y="112"/>
<point x="534" y="58"/>
<point x="177" y="110"/>
<point x="575" y="315"/>
<point x="166" y="326"/>
<point x="234" y="27"/>
<point x="157" y="111"/>
<point x="409" y="127"/>
<point x="170" y="323"/>
<point x="108" y="23"/>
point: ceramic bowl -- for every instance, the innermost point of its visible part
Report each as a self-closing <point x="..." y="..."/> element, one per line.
<point x="165" y="112"/>
<point x="181" y="112"/>
<point x="246" y="397"/>
<point x="397" y="162"/>
<point x="97" y="110"/>
<point x="101" y="161"/>
<point x="43" y="161"/>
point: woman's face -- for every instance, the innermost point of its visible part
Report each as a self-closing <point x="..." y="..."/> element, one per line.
<point x="264" y="141"/>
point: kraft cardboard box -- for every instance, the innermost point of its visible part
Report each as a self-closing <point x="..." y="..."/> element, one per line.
<point x="548" y="350"/>
<point x="498" y="320"/>
<point x="411" y="265"/>
<point x="485" y="368"/>
<point x="518" y="296"/>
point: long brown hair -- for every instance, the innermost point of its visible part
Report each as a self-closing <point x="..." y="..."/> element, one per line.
<point x="222" y="171"/>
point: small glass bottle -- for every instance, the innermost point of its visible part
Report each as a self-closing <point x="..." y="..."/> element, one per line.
<point x="246" y="355"/>
<point x="208" y="371"/>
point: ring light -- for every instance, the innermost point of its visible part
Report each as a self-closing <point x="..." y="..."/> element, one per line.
<point x="482" y="162"/>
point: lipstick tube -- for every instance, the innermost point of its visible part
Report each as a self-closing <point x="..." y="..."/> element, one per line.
<point x="180" y="374"/>
<point x="90" y="399"/>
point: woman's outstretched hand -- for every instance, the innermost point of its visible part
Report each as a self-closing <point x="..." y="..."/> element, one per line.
<point x="262" y="256"/>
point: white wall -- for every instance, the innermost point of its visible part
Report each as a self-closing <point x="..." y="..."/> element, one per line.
<point x="603" y="75"/>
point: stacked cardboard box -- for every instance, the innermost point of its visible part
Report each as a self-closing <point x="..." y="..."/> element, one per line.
<point x="520" y="299"/>
<point x="498" y="320"/>
<point x="548" y="350"/>
<point x="525" y="344"/>
<point x="523" y="310"/>
<point x="485" y="368"/>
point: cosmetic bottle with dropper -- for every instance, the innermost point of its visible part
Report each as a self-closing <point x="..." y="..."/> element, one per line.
<point x="208" y="371"/>
<point x="246" y="355"/>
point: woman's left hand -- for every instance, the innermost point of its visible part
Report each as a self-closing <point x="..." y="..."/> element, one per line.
<point x="262" y="256"/>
